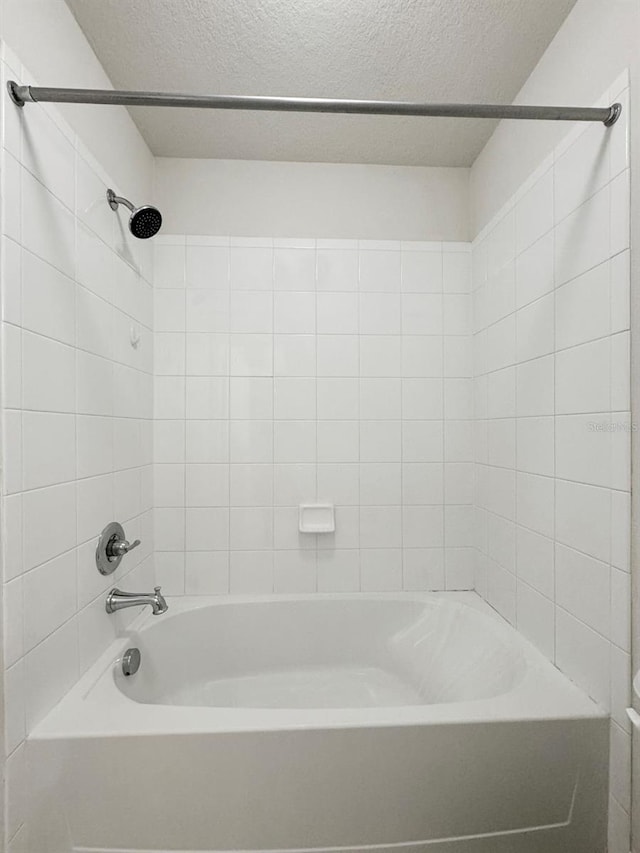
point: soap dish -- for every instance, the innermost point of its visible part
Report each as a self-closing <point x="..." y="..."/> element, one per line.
<point x="317" y="518"/>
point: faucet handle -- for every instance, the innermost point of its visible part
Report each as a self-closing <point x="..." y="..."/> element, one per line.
<point x="161" y="605"/>
<point x="120" y="547"/>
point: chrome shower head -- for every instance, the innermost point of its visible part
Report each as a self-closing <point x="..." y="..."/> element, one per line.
<point x="144" y="221"/>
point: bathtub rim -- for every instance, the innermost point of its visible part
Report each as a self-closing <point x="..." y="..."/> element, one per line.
<point x="96" y="707"/>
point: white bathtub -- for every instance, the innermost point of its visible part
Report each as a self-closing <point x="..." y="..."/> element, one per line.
<point x="323" y="722"/>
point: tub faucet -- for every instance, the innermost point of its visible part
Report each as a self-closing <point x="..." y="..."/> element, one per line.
<point x="117" y="600"/>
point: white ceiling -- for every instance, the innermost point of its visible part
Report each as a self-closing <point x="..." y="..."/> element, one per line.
<point x="424" y="50"/>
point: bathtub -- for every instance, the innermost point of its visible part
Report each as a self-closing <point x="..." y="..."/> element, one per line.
<point x="343" y="722"/>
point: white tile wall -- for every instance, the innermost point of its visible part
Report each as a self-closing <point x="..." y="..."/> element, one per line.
<point x="552" y="432"/>
<point x="77" y="409"/>
<point x="291" y="371"/>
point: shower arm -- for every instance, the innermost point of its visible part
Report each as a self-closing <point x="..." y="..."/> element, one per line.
<point x="21" y="95"/>
<point x="114" y="200"/>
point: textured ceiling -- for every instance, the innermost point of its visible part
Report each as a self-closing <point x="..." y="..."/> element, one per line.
<point x="425" y="50"/>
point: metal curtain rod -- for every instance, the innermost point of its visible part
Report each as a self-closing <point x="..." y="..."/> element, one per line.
<point x="22" y="95"/>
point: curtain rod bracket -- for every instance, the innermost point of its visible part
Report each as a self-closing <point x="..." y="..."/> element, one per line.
<point x="614" y="115"/>
<point x="18" y="94"/>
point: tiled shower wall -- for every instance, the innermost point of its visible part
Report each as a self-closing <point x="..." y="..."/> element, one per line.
<point x="289" y="372"/>
<point x="77" y="408"/>
<point x="552" y="432"/>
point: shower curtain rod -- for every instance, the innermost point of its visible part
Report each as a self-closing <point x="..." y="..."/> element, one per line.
<point x="22" y="95"/>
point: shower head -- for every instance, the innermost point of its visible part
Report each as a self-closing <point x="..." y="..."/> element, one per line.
<point x="144" y="221"/>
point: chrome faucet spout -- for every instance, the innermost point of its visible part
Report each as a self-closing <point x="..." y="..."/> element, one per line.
<point x="118" y="600"/>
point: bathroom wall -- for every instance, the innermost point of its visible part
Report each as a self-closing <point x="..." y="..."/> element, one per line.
<point x="76" y="420"/>
<point x="61" y="255"/>
<point x="551" y="279"/>
<point x="46" y="37"/>
<point x="327" y="200"/>
<point x="290" y="371"/>
<point x="597" y="42"/>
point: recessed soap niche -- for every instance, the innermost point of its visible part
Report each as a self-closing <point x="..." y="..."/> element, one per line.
<point x="317" y="518"/>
